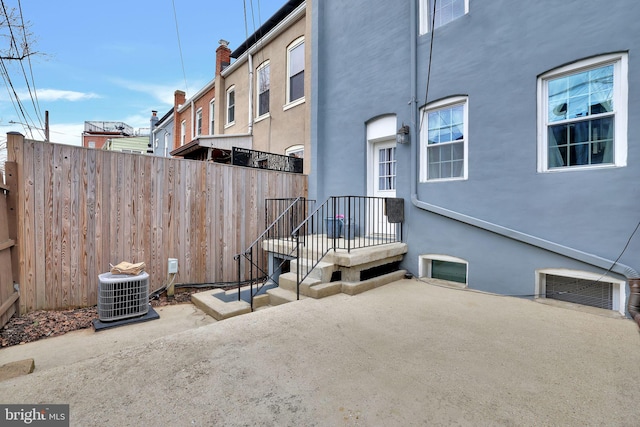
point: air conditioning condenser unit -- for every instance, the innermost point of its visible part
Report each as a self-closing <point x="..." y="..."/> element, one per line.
<point x="122" y="296"/>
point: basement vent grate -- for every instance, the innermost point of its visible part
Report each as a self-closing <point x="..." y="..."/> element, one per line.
<point x="580" y="291"/>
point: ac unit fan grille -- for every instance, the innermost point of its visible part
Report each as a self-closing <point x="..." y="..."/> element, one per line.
<point x="121" y="296"/>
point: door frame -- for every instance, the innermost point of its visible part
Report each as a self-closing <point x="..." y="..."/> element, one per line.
<point x="382" y="129"/>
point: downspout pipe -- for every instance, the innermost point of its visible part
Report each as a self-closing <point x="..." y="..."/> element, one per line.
<point x="250" y="121"/>
<point x="193" y="120"/>
<point x="628" y="272"/>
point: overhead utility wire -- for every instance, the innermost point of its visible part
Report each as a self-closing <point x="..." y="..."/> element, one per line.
<point x="12" y="91"/>
<point x="433" y="30"/>
<point x="175" y="18"/>
<point x="14" y="45"/>
<point x="36" y="102"/>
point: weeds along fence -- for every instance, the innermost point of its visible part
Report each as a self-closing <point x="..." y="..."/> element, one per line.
<point x="78" y="210"/>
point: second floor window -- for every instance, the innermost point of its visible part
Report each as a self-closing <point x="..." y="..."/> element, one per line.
<point x="183" y="132"/>
<point x="445" y="12"/>
<point x="444" y="143"/>
<point x="263" y="83"/>
<point x="212" y="114"/>
<point x="295" y="83"/>
<point x="199" y="122"/>
<point x="231" y="105"/>
<point x="582" y="120"/>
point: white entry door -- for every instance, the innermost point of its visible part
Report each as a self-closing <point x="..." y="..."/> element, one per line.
<point x="384" y="185"/>
<point x="384" y="159"/>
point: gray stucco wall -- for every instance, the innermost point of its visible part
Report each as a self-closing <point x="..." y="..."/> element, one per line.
<point x="493" y="55"/>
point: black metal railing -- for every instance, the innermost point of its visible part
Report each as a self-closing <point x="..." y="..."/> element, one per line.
<point x="345" y="223"/>
<point x="269" y="255"/>
<point x="264" y="160"/>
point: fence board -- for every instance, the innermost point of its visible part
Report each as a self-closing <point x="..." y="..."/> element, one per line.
<point x="80" y="209"/>
<point x="7" y="294"/>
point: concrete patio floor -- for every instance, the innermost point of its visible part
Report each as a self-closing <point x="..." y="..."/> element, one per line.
<point x="407" y="353"/>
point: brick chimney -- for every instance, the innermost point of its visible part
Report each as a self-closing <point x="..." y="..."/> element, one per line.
<point x="179" y="98"/>
<point x="152" y="122"/>
<point x="223" y="56"/>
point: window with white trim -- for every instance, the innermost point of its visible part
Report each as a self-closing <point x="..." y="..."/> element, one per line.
<point x="446" y="11"/>
<point x="199" y="122"/>
<point x="295" y="151"/>
<point x="295" y="70"/>
<point x="444" y="140"/>
<point x="443" y="267"/>
<point x="212" y="116"/>
<point x="183" y="132"/>
<point x="231" y="105"/>
<point x="263" y="84"/>
<point x="582" y="115"/>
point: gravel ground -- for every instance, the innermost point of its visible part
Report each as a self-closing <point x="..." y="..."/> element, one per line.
<point x="52" y="323"/>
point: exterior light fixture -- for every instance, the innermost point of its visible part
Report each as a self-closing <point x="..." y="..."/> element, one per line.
<point x="402" y="137"/>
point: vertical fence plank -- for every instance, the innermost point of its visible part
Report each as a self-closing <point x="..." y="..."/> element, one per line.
<point x="39" y="153"/>
<point x="89" y="242"/>
<point x="26" y="209"/>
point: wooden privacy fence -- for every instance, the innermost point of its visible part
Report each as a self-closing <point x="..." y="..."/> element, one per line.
<point x="79" y="210"/>
<point x="8" y="255"/>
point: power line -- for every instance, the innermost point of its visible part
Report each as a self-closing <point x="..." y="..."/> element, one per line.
<point x="175" y="18"/>
<point x="13" y="95"/>
<point x="35" y="102"/>
<point x="433" y="30"/>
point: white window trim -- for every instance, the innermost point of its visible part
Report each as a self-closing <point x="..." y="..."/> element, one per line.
<point x="425" y="15"/>
<point x="293" y="104"/>
<point x="290" y="104"/>
<point x="183" y="132"/>
<point x="212" y="118"/>
<point x="619" y="302"/>
<point x="198" y="118"/>
<point x="294" y="149"/>
<point x="424" y="136"/>
<point x="260" y="67"/>
<point x="425" y="265"/>
<point x="620" y="111"/>
<point x="227" y="122"/>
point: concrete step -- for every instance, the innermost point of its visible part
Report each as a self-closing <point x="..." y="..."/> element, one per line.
<point x="309" y="287"/>
<point x="354" y="288"/>
<point x="321" y="290"/>
<point x="278" y="296"/>
<point x="217" y="308"/>
<point x="289" y="280"/>
<point x="322" y="271"/>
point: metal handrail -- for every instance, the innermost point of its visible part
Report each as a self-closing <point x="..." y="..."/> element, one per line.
<point x="272" y="240"/>
<point x="344" y="222"/>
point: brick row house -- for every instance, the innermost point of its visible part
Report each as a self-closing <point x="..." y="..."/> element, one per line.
<point x="258" y="99"/>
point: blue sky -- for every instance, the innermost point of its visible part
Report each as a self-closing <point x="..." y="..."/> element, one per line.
<point x="119" y="60"/>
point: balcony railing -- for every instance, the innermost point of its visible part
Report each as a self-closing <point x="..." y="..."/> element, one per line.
<point x="346" y="223"/>
<point x="264" y="160"/>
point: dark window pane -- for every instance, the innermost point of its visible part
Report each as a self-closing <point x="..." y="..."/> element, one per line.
<point x="452" y="271"/>
<point x="296" y="86"/>
<point x="579" y="155"/>
<point x="263" y="100"/>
